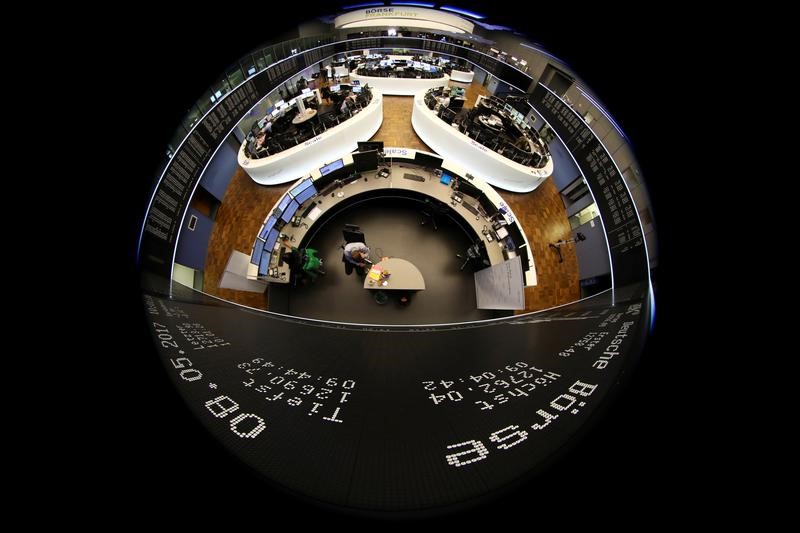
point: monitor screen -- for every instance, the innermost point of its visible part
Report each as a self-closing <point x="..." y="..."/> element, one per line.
<point x="268" y="225"/>
<point x="258" y="247"/>
<point x="356" y="89"/>
<point x="487" y="205"/>
<point x="469" y="189"/>
<point x="356" y="82"/>
<point x="300" y="187"/>
<point x="272" y="238"/>
<point x="263" y="265"/>
<point x="289" y="212"/>
<point x="276" y="112"/>
<point x="279" y="103"/>
<point x="306" y="90"/>
<point x="366" y="161"/>
<point x="335" y="88"/>
<point x="427" y="161"/>
<point x="366" y="146"/>
<point x="284" y="202"/>
<point x="305" y="195"/>
<point x="331" y="167"/>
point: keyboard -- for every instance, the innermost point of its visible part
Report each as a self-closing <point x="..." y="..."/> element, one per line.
<point x="469" y="207"/>
<point x="414" y="177"/>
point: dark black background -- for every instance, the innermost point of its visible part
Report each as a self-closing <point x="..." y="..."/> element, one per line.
<point x="162" y="461"/>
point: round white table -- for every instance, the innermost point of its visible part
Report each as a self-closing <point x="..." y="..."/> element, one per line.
<point x="403" y="275"/>
<point x="302" y="117"/>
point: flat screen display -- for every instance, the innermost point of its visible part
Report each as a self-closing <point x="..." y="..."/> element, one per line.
<point x="366" y="146"/>
<point x="258" y="247"/>
<point x="300" y="187"/>
<point x="284" y="202"/>
<point x="427" y="161"/>
<point x="366" y="161"/>
<point x="268" y="225"/>
<point x="289" y="212"/>
<point x="331" y="167"/>
<point x="305" y="195"/>
<point x="356" y="89"/>
<point x="272" y="238"/>
<point x="335" y="88"/>
<point x="263" y="265"/>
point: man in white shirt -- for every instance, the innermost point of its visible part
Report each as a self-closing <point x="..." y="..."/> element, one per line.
<point x="356" y="253"/>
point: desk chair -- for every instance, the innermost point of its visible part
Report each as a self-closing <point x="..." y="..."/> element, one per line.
<point x="350" y="233"/>
<point x="431" y="210"/>
<point x="473" y="256"/>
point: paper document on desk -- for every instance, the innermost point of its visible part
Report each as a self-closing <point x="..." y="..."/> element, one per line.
<point x="375" y="272"/>
<point x="314" y="213"/>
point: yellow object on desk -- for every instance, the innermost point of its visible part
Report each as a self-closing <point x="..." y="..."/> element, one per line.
<point x="375" y="272"/>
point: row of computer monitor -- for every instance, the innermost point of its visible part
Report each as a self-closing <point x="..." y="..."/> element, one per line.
<point x="280" y="216"/>
<point x="364" y="160"/>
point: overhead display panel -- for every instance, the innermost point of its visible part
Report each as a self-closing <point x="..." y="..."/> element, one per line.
<point x="417" y="17"/>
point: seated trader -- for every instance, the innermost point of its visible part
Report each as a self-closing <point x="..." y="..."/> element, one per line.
<point x="356" y="253"/>
<point x="306" y="259"/>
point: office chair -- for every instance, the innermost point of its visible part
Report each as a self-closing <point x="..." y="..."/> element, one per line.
<point x="473" y="255"/>
<point x="351" y="233"/>
<point x="431" y="210"/>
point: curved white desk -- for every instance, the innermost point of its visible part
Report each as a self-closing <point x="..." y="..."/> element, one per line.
<point x="401" y="86"/>
<point x="482" y="162"/>
<point x="461" y="76"/>
<point x="299" y="160"/>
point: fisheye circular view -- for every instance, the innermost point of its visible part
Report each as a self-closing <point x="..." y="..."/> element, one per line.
<point x="398" y="259"/>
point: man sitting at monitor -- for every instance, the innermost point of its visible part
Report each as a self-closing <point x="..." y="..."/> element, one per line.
<point x="356" y="253"/>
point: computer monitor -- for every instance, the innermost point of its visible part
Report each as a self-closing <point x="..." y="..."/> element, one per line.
<point x="300" y="187"/>
<point x="284" y="202"/>
<point x="289" y="212"/>
<point x="258" y="248"/>
<point x="276" y="112"/>
<point x="366" y="161"/>
<point x="279" y="103"/>
<point x="263" y="264"/>
<point x="268" y="225"/>
<point x="272" y="238"/>
<point x="487" y="204"/>
<point x="469" y="189"/>
<point x="356" y="82"/>
<point x="335" y="88"/>
<point x="366" y="146"/>
<point x="306" y="90"/>
<point x="356" y="89"/>
<point x="305" y="195"/>
<point x="339" y="163"/>
<point x="427" y="161"/>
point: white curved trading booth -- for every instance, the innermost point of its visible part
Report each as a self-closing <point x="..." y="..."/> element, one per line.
<point x="482" y="162"/>
<point x="285" y="166"/>
<point x="400" y="86"/>
<point x="462" y="76"/>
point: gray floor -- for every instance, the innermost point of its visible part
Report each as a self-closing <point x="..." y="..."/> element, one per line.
<point x="392" y="229"/>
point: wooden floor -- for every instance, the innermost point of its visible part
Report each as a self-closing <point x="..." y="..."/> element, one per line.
<point x="541" y="214"/>
<point x="396" y="129"/>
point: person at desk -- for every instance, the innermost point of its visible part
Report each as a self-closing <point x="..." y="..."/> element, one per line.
<point x="356" y="253"/>
<point x="306" y="259"/>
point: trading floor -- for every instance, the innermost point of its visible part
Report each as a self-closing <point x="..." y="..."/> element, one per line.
<point x="541" y="214"/>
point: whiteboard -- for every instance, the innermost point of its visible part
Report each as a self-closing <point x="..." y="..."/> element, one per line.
<point x="501" y="286"/>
